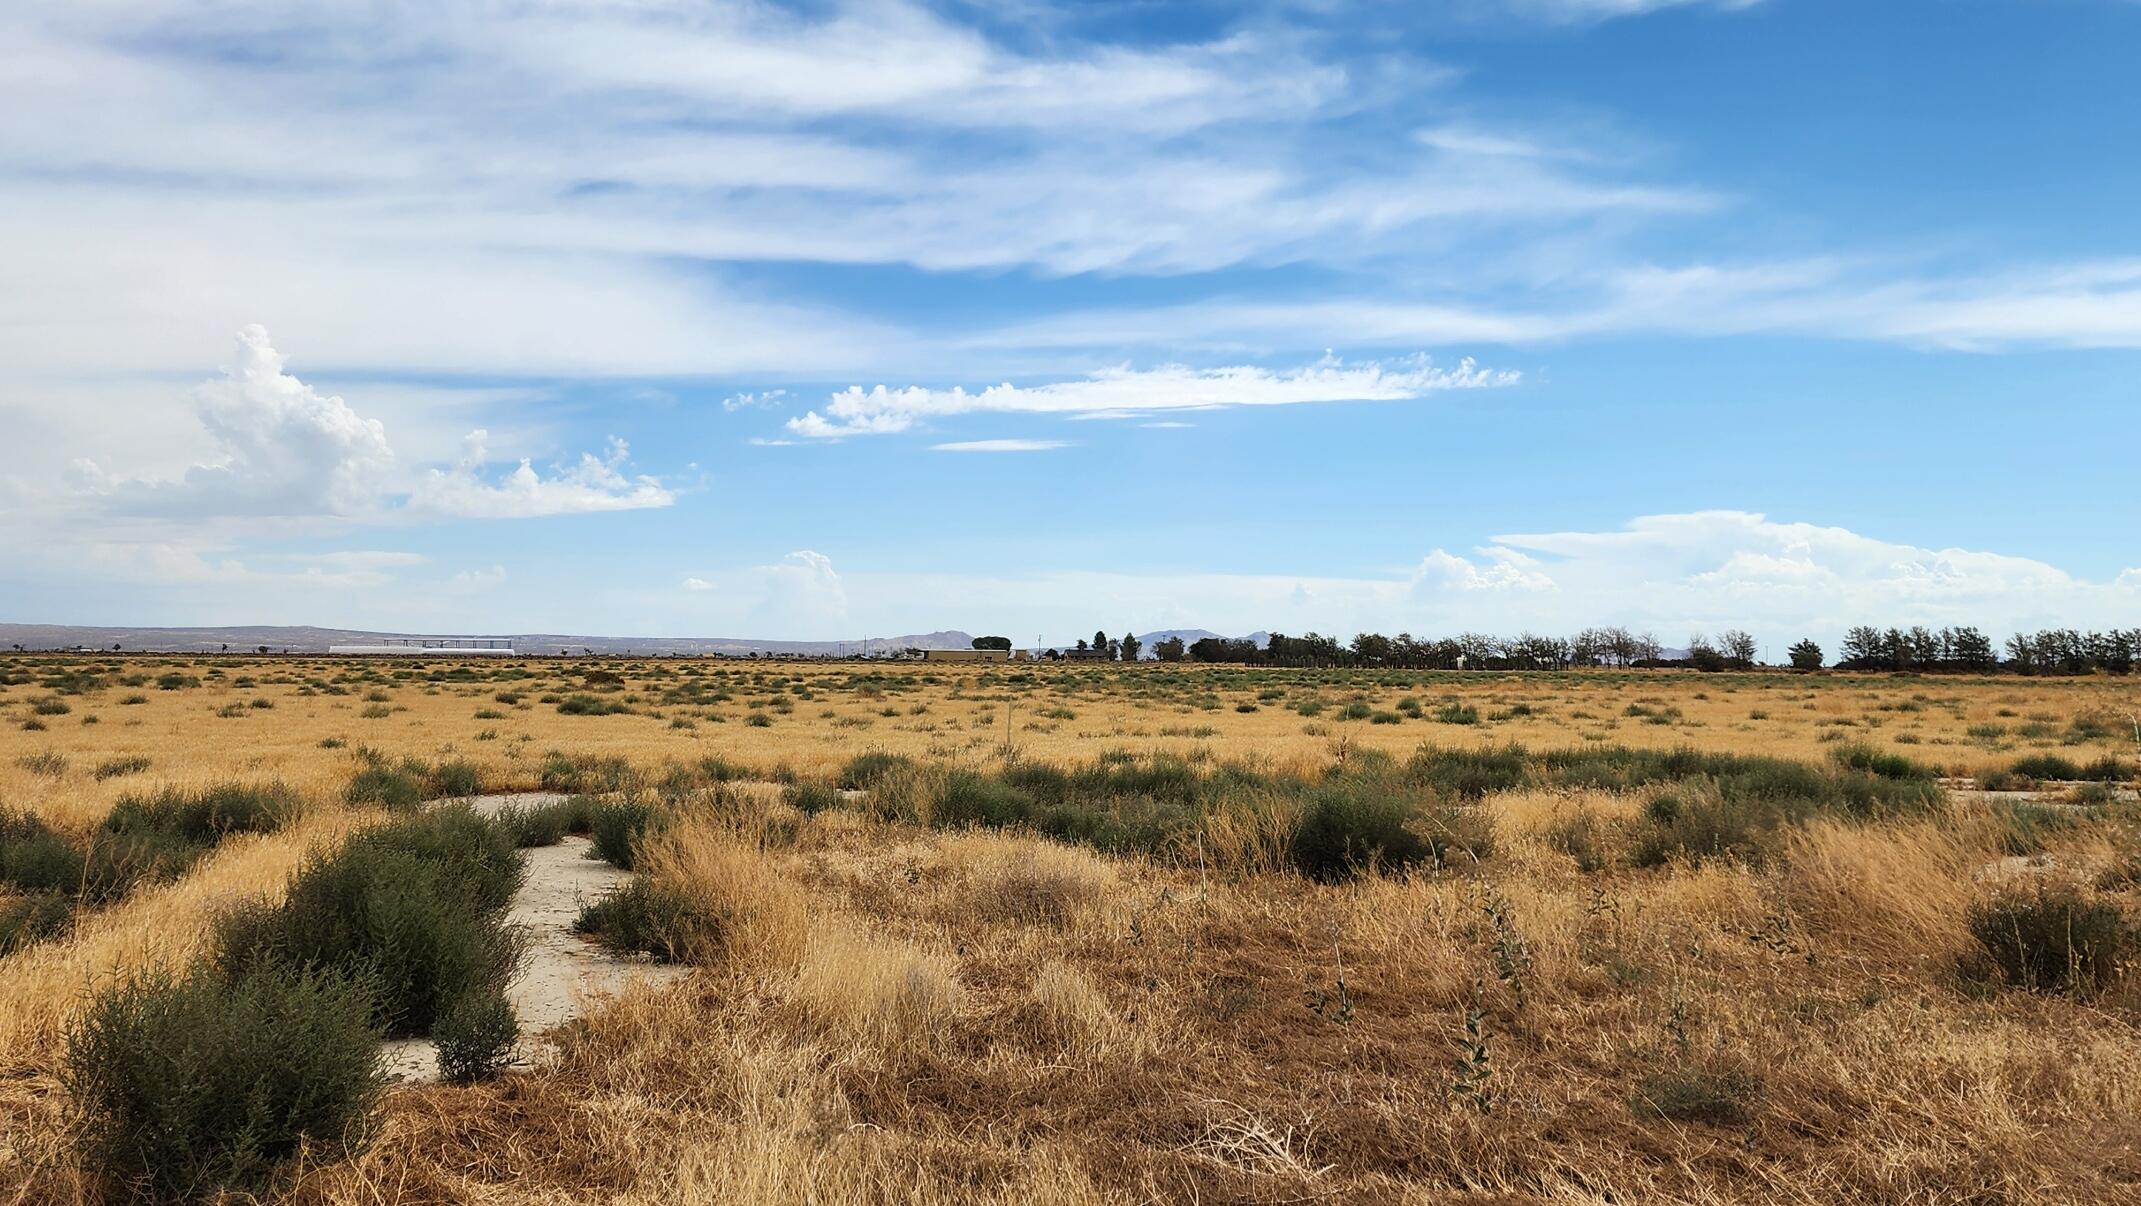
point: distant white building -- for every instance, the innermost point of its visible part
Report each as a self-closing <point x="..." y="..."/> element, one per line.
<point x="428" y="647"/>
<point x="966" y="655"/>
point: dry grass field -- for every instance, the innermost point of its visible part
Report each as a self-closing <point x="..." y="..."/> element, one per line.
<point x="1201" y="934"/>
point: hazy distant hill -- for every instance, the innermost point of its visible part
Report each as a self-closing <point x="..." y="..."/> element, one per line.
<point x="301" y="639"/>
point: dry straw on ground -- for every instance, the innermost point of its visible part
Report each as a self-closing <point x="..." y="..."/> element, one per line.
<point x="889" y="1013"/>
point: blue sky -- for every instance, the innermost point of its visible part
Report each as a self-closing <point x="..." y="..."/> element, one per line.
<point x="868" y="317"/>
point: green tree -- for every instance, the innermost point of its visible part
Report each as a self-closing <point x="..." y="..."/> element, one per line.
<point x="993" y="642"/>
<point x="1170" y="650"/>
<point x="1806" y="655"/>
<point x="1131" y="646"/>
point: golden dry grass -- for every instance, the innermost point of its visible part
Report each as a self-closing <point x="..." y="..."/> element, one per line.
<point x="898" y="1014"/>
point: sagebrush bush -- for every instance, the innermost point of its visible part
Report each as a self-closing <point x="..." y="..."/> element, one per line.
<point x="1718" y="1096"/>
<point x="382" y="786"/>
<point x="618" y="825"/>
<point x="475" y="1036"/>
<point x="34" y="858"/>
<point x="452" y="779"/>
<point x="206" y="815"/>
<point x="1861" y="757"/>
<point x="2055" y="938"/>
<point x="648" y="918"/>
<point x="27" y="920"/>
<point x="186" y="1084"/>
<point x="1351" y="824"/>
<point x="415" y="907"/>
<point x="546" y="824"/>
<point x="1468" y="774"/>
<point x="585" y="773"/>
<point x="864" y="771"/>
<point x="2034" y="767"/>
<point x="811" y="797"/>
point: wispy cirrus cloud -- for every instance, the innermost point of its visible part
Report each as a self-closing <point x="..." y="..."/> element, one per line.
<point x="1000" y="446"/>
<point x="1123" y="392"/>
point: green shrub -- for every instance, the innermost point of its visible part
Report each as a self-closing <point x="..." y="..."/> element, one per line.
<point x="112" y="768"/>
<point x="2025" y="829"/>
<point x="1349" y="826"/>
<point x="2037" y="767"/>
<point x="415" y="907"/>
<point x="1861" y="757"/>
<point x="1584" y="838"/>
<point x="184" y="1085"/>
<point x="864" y="771"/>
<point x="51" y="705"/>
<point x="588" y="705"/>
<point x="967" y="797"/>
<point x="1468" y="774"/>
<point x="649" y="918"/>
<point x="2054" y="939"/>
<point x="475" y="1036"/>
<point x="618" y="825"/>
<point x="206" y="815"/>
<point x="546" y="824"/>
<point x="34" y="859"/>
<point x="381" y="786"/>
<point x="26" y="920"/>
<point x="452" y="779"/>
<point x="1700" y="823"/>
<point x="811" y="796"/>
<point x="43" y="763"/>
<point x="1457" y="714"/>
<point x="1720" y="1097"/>
<point x="585" y="773"/>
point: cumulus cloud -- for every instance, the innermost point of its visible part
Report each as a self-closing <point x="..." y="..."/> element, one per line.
<point x="1737" y="568"/>
<point x="1672" y="575"/>
<point x="593" y="483"/>
<point x="799" y="594"/>
<point x="284" y="451"/>
<point x="1123" y="392"/>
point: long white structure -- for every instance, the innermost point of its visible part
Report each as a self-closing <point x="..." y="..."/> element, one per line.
<point x="429" y="647"/>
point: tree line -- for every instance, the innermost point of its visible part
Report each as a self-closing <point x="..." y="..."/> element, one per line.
<point x="1951" y="650"/>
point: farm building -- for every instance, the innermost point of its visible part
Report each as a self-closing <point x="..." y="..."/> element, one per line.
<point x="966" y="655"/>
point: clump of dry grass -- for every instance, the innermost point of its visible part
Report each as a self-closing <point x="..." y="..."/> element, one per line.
<point x="1026" y="880"/>
<point x="738" y="904"/>
<point x="888" y="1012"/>
<point x="1897" y="894"/>
<point x="890" y="994"/>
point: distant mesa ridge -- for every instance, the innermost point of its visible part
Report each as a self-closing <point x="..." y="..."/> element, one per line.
<point x="305" y="639"/>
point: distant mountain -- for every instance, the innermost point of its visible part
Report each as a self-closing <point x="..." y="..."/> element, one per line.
<point x="301" y="639"/>
<point x="1190" y="636"/>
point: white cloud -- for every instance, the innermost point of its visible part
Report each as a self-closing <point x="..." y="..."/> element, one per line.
<point x="1601" y="10"/>
<point x="2076" y="304"/>
<point x="541" y="188"/>
<point x="1670" y="574"/>
<point x="1126" y="391"/>
<point x="284" y="451"/>
<point x="591" y="484"/>
<point x="799" y="594"/>
<point x="1000" y="446"/>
